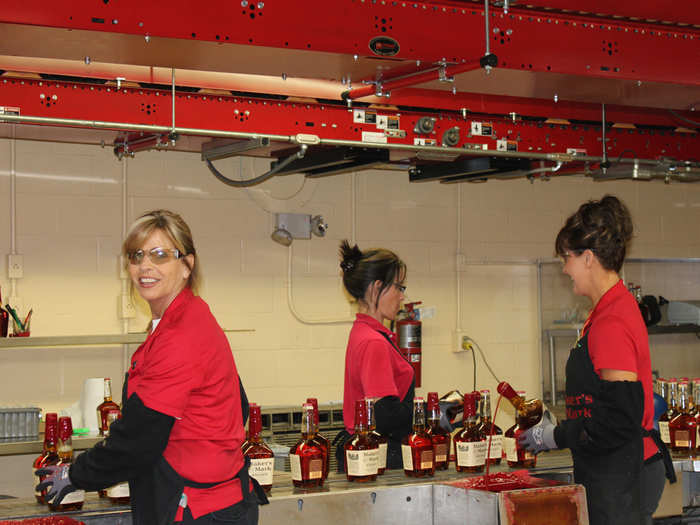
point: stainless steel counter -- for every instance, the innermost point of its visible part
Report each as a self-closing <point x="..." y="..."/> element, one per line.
<point x="393" y="498"/>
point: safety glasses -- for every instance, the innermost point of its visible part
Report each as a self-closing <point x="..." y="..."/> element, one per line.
<point x="155" y="255"/>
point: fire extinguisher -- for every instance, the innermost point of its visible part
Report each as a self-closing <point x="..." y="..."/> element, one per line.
<point x="408" y="328"/>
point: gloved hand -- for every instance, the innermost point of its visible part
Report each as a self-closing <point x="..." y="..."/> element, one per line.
<point x="540" y="437"/>
<point x="59" y="481"/>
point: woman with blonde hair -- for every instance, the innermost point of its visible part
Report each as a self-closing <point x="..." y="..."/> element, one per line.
<point x="179" y="440"/>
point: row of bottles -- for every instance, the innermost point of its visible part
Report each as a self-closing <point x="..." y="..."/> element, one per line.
<point x="679" y="425"/>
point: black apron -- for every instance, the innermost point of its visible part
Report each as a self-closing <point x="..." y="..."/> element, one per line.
<point x="612" y="480"/>
<point x="394" y="459"/>
<point x="156" y="495"/>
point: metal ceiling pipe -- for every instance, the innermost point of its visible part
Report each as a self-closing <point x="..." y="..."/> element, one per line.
<point x="411" y="79"/>
<point x="301" y="139"/>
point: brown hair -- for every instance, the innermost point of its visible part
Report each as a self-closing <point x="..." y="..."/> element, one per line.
<point x="604" y="227"/>
<point x="177" y="231"/>
<point x="361" y="269"/>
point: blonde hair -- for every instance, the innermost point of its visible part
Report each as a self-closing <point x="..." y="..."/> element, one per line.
<point x="177" y="230"/>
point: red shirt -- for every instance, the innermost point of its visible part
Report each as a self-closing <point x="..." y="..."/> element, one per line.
<point x="619" y="340"/>
<point x="373" y="368"/>
<point x="185" y="369"/>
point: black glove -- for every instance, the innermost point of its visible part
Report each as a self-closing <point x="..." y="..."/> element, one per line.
<point x="57" y="478"/>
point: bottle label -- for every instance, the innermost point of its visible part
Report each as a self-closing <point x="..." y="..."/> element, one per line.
<point x="295" y="464"/>
<point x="471" y="454"/>
<point x="440" y="451"/>
<point x="509" y="447"/>
<point x="261" y="469"/>
<point x="426" y="459"/>
<point x="315" y="468"/>
<point x="665" y="432"/>
<point x="37" y="480"/>
<point x="361" y="462"/>
<point x="407" y="457"/>
<point x="381" y="461"/>
<point x="496" y="451"/>
<point x="682" y="439"/>
<point x="73" y="497"/>
<point x="120" y="490"/>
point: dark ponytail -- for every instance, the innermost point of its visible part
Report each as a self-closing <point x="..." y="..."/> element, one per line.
<point x="361" y="269"/>
<point x="604" y="227"/>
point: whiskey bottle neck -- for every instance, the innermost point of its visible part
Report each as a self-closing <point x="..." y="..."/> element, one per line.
<point x="108" y="389"/>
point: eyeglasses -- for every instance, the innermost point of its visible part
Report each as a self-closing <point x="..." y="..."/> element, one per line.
<point x="569" y="254"/>
<point x="155" y="255"/>
<point x="400" y="287"/>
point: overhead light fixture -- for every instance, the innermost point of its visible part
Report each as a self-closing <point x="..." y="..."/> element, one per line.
<point x="281" y="236"/>
<point x="290" y="226"/>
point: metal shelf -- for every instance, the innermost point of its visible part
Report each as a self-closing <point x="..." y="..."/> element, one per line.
<point x="82" y="340"/>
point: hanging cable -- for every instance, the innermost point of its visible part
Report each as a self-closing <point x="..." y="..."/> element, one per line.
<point x="485" y="362"/>
<point x="262" y="178"/>
<point x="681" y="117"/>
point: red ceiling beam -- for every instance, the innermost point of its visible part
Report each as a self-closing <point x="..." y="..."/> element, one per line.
<point x="249" y="115"/>
<point x="430" y="32"/>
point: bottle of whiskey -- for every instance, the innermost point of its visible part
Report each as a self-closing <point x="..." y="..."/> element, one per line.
<point x="491" y="432"/>
<point x="322" y="441"/>
<point x="262" y="459"/>
<point x="683" y="427"/>
<point x="75" y="499"/>
<point x="306" y="456"/>
<point x="382" y="442"/>
<point x="417" y="448"/>
<point x="108" y="410"/>
<point x="361" y="450"/>
<point x="49" y="453"/>
<point x="527" y="414"/>
<point x="661" y="388"/>
<point x="470" y="444"/>
<point x="439" y="436"/>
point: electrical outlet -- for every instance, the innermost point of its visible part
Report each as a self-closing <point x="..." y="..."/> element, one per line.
<point x="126" y="308"/>
<point x="462" y="342"/>
<point x="15" y="266"/>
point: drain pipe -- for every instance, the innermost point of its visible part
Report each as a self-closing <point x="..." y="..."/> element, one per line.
<point x="12" y="299"/>
<point x="123" y="275"/>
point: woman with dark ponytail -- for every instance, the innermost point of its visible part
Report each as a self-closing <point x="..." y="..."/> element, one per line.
<point x="609" y="403"/>
<point x="374" y="367"/>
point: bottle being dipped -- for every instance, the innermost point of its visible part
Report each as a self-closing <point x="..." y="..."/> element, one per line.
<point x="306" y="456"/>
<point x="527" y="414"/>
<point x="438" y="435"/>
<point x="470" y="444"/>
<point x="75" y="499"/>
<point x="49" y="453"/>
<point x="107" y="411"/>
<point x="683" y="427"/>
<point x="325" y="444"/>
<point x="262" y="459"/>
<point x="361" y="450"/>
<point x="492" y="433"/>
<point x="382" y="442"/>
<point x="417" y="448"/>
